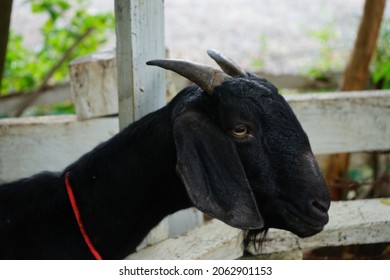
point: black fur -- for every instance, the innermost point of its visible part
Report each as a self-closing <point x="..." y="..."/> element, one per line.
<point x="125" y="186"/>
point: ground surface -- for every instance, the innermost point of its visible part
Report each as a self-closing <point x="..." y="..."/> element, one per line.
<point x="276" y="32"/>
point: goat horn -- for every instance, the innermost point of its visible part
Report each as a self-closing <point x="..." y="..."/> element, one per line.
<point x="227" y="65"/>
<point x="204" y="76"/>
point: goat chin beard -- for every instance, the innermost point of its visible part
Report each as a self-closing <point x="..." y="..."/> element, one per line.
<point x="255" y="238"/>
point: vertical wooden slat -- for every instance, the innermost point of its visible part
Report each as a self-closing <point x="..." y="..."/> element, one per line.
<point x="140" y="37"/>
<point x="142" y="89"/>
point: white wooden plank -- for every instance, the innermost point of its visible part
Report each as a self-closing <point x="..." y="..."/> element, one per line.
<point x="214" y="240"/>
<point x="156" y="235"/>
<point x="140" y="37"/>
<point x="184" y="220"/>
<point x="31" y="145"/>
<point x="173" y="225"/>
<point x="94" y="85"/>
<point x="345" y="121"/>
<point x="352" y="222"/>
<point x="355" y="222"/>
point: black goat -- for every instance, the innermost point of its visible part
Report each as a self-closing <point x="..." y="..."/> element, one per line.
<point x="230" y="145"/>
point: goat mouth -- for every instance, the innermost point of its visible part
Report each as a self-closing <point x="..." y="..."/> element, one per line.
<point x="304" y="227"/>
<point x="301" y="224"/>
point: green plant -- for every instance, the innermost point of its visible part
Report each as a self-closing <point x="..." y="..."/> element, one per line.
<point x="258" y="63"/>
<point x="326" y="60"/>
<point x="381" y="60"/>
<point x="69" y="31"/>
<point x="62" y="108"/>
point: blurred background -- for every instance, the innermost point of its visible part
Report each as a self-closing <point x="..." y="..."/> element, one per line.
<point x="277" y="36"/>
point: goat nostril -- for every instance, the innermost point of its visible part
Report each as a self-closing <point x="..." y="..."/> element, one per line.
<point x="319" y="206"/>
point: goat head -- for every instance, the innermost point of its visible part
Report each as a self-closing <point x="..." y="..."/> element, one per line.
<point x="242" y="154"/>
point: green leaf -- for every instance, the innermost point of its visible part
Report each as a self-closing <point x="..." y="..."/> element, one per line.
<point x="381" y="61"/>
<point x="25" y="69"/>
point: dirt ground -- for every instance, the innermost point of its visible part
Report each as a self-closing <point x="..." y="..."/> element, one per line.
<point x="274" y="32"/>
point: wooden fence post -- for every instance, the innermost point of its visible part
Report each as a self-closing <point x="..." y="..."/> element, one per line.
<point x="140" y="37"/>
<point x="141" y="88"/>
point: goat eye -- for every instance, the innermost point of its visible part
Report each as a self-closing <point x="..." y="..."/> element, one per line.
<point x="240" y="131"/>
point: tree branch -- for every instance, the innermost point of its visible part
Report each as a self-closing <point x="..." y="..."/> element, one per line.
<point x="355" y="77"/>
<point x="31" y="97"/>
<point x="356" y="72"/>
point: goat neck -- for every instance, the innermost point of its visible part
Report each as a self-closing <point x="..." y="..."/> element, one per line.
<point x="128" y="184"/>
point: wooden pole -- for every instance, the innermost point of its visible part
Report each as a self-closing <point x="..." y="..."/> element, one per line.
<point x="5" y="18"/>
<point x="356" y="72"/>
<point x="140" y="37"/>
<point x="355" y="78"/>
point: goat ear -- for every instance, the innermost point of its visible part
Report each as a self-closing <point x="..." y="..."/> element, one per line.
<point x="209" y="166"/>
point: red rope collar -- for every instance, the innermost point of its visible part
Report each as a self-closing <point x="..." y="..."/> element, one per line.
<point x="76" y="212"/>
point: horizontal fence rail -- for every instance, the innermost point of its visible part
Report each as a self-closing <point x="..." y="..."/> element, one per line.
<point x="345" y="121"/>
